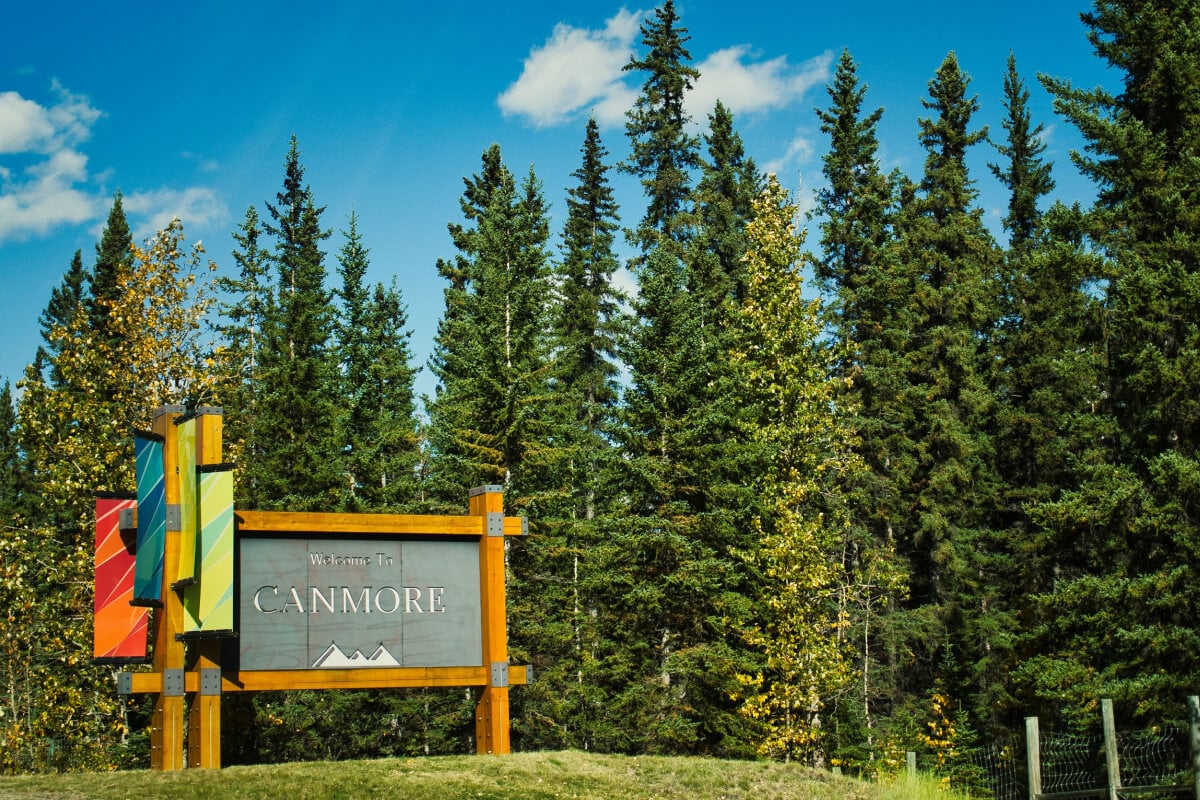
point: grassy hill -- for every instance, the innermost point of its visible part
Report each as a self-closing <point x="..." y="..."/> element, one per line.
<point x="523" y="776"/>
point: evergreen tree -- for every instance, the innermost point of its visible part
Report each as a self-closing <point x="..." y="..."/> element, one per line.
<point x="867" y="314"/>
<point x="112" y="255"/>
<point x="378" y="425"/>
<point x="65" y="301"/>
<point x="297" y="464"/>
<point x="1132" y="524"/>
<point x="664" y="153"/>
<point x="12" y="465"/>
<point x="723" y="198"/>
<point x="553" y="609"/>
<point x="488" y="421"/>
<point x="457" y="352"/>
<point x="1026" y="175"/>
<point x="1043" y="372"/>
<point x="950" y="490"/>
<point x="240" y="326"/>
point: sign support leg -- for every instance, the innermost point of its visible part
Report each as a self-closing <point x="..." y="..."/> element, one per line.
<point x="167" y="725"/>
<point x="204" y="718"/>
<point x="491" y="711"/>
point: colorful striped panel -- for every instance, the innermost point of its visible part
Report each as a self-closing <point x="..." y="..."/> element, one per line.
<point x="152" y="519"/>
<point x="120" y="631"/>
<point x="214" y="602"/>
<point x="186" y="438"/>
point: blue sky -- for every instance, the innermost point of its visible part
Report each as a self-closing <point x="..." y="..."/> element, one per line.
<point x="187" y="108"/>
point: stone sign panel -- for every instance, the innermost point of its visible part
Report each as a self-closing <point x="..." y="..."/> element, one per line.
<point x="338" y="603"/>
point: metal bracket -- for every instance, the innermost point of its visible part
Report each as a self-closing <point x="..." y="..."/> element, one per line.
<point x="499" y="674"/>
<point x="528" y="673"/>
<point x="173" y="683"/>
<point x="210" y="681"/>
<point x="174" y="517"/>
<point x="125" y="519"/>
<point x="124" y="683"/>
<point x="495" y="524"/>
<point x="524" y="526"/>
<point x="489" y="489"/>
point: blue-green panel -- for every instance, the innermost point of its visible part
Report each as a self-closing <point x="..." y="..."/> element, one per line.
<point x="151" y="520"/>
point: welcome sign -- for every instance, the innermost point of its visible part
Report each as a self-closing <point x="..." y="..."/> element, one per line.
<point x="314" y="602"/>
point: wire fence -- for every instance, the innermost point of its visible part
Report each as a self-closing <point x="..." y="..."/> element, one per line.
<point x="1154" y="764"/>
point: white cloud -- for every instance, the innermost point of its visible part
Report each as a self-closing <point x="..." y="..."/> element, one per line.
<point x="46" y="196"/>
<point x="27" y="127"/>
<point x="55" y="188"/>
<point x="198" y="207"/>
<point x="47" y="192"/>
<point x="745" y="86"/>
<point x="576" y="70"/>
<point x="800" y="151"/>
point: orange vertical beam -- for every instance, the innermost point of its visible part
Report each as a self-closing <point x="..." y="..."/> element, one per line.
<point x="167" y="723"/>
<point x="204" y="716"/>
<point x="491" y="711"/>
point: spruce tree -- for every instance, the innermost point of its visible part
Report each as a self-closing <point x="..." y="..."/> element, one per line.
<point x="1042" y="371"/>
<point x="249" y="301"/>
<point x="1132" y="523"/>
<point x="664" y="153"/>
<point x="554" y="570"/>
<point x="727" y="188"/>
<point x="950" y="489"/>
<point x="457" y="354"/>
<point x="1026" y="175"/>
<point x="869" y="289"/>
<point x="377" y="428"/>
<point x="65" y="301"/>
<point x="112" y="255"/>
<point x="297" y="464"/>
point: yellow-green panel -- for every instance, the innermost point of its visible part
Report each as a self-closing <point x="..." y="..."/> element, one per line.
<point x="215" y="549"/>
<point x="186" y="437"/>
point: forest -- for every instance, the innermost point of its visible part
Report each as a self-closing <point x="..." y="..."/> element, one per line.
<point x="824" y="488"/>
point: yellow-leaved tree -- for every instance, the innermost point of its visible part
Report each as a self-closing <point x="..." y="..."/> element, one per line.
<point x="76" y="433"/>
<point x="797" y="420"/>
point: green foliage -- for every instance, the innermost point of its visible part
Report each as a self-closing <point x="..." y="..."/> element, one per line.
<point x="294" y="426"/>
<point x="868" y="315"/>
<point x="377" y="427"/>
<point x="248" y="301"/>
<point x="760" y="524"/>
<point x="664" y="152"/>
<point x="1118" y="606"/>
<point x="489" y="417"/>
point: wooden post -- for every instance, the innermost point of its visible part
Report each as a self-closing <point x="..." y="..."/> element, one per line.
<point x="204" y="716"/>
<point x="1033" y="757"/>
<point x="491" y="711"/>
<point x="167" y="722"/>
<point x="1193" y="703"/>
<point x="910" y="764"/>
<point x="1111" y="761"/>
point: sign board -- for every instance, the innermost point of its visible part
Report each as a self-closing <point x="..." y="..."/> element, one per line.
<point x="326" y="603"/>
<point x="316" y="600"/>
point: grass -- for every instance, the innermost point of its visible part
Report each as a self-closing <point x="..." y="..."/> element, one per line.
<point x="522" y="776"/>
